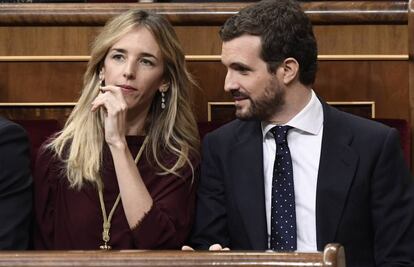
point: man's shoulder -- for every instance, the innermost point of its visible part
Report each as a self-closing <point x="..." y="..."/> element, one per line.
<point x="4" y="122"/>
<point x="355" y="123"/>
<point x="232" y="128"/>
<point x="10" y="126"/>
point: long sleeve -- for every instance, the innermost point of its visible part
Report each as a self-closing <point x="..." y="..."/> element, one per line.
<point x="71" y="218"/>
<point x="392" y="200"/>
<point x="44" y="198"/>
<point x="210" y="225"/>
<point x="168" y="222"/>
<point x="15" y="187"/>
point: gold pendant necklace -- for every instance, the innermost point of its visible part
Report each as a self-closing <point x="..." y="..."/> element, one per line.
<point x="106" y="227"/>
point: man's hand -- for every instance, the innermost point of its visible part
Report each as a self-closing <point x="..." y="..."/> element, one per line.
<point x="215" y="247"/>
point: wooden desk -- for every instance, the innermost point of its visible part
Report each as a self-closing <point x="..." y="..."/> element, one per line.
<point x="332" y="256"/>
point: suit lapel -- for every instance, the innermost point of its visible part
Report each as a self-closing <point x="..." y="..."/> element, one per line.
<point x="337" y="167"/>
<point x="247" y="177"/>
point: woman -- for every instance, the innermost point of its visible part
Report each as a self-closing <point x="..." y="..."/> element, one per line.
<point x="120" y="174"/>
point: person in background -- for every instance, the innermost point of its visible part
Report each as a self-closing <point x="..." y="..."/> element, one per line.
<point x="15" y="187"/>
<point x="121" y="173"/>
<point x="293" y="173"/>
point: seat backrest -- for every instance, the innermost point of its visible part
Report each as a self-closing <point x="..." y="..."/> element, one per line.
<point x="404" y="129"/>
<point x="38" y="131"/>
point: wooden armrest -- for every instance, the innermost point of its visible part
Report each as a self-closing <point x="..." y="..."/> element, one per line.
<point x="333" y="255"/>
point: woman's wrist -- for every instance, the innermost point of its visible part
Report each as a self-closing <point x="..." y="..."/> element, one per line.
<point x="118" y="145"/>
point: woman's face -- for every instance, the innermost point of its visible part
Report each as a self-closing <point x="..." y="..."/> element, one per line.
<point x="135" y="65"/>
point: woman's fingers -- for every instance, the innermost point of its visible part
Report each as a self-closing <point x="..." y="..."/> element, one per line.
<point x="111" y="98"/>
<point x="116" y="90"/>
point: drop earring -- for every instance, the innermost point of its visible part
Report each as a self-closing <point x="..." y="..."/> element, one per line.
<point x="101" y="79"/>
<point x="162" y="100"/>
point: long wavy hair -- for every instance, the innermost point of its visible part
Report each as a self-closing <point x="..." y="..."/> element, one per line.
<point x="172" y="130"/>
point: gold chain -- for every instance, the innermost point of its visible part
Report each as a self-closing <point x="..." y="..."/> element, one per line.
<point x="106" y="227"/>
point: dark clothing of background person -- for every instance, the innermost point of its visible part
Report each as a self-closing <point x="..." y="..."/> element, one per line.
<point x="70" y="219"/>
<point x="15" y="187"/>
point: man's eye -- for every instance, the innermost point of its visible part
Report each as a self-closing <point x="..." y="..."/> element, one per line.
<point x="242" y="70"/>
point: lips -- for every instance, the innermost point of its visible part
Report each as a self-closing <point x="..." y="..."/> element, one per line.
<point x="237" y="96"/>
<point x="127" y="88"/>
<point x="240" y="98"/>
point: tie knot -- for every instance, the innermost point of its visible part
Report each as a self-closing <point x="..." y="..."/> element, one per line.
<point x="280" y="133"/>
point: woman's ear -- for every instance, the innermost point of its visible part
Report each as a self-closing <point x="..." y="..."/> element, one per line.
<point x="164" y="87"/>
<point x="101" y="74"/>
<point x="290" y="70"/>
<point x="101" y="78"/>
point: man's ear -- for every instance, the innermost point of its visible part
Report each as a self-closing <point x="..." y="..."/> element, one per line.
<point x="290" y="70"/>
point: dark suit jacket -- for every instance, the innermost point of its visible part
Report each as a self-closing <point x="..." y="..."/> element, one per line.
<point x="15" y="187"/>
<point x="365" y="193"/>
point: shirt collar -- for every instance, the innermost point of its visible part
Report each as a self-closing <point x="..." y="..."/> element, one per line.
<point x="309" y="119"/>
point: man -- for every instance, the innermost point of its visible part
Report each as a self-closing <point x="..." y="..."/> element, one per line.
<point x="15" y="187"/>
<point x="349" y="185"/>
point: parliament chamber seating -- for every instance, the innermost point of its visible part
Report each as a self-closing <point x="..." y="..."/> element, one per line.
<point x="365" y="60"/>
<point x="40" y="130"/>
<point x="365" y="51"/>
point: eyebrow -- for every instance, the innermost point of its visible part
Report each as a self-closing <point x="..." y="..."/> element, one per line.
<point x="120" y="50"/>
<point x="239" y="65"/>
<point x="143" y="54"/>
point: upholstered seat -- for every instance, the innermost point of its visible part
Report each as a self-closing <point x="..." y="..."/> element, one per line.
<point x="40" y="130"/>
<point x="405" y="135"/>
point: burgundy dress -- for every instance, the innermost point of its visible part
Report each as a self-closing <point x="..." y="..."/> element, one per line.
<point x="68" y="219"/>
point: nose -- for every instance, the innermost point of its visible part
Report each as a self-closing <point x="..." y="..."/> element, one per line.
<point x="229" y="83"/>
<point x="129" y="70"/>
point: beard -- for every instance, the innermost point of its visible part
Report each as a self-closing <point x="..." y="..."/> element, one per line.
<point x="265" y="105"/>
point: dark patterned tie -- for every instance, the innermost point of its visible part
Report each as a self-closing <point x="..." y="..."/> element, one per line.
<point x="283" y="215"/>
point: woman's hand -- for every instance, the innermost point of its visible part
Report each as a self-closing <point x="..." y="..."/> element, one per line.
<point x="112" y="101"/>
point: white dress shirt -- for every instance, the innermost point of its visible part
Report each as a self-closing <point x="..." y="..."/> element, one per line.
<point x="304" y="141"/>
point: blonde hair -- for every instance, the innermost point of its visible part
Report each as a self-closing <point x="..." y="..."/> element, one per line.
<point x="172" y="130"/>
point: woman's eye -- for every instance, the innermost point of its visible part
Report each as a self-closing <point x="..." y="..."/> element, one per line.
<point x="146" y="62"/>
<point x="118" y="57"/>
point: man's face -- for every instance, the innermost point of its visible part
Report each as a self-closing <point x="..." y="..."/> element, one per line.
<point x="257" y="93"/>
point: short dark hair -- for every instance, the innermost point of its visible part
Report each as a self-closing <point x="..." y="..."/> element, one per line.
<point x="285" y="31"/>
